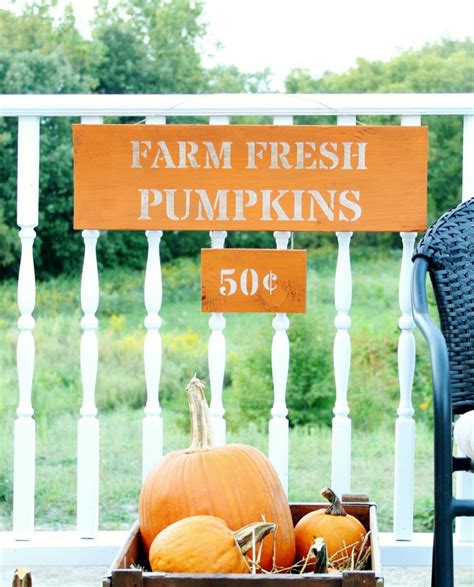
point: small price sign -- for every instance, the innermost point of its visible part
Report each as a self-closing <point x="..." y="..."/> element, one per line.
<point x="253" y="280"/>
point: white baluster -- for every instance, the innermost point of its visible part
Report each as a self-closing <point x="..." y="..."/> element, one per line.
<point x="152" y="426"/>
<point x="24" y="431"/>
<point x="152" y="422"/>
<point x="219" y="120"/>
<point x="217" y="358"/>
<point x="155" y="120"/>
<point x="341" y="423"/>
<point x="405" y="425"/>
<point x="465" y="480"/>
<point x="217" y="343"/>
<point x="278" y="431"/>
<point x="404" y="473"/>
<point x="283" y="120"/>
<point x="278" y="441"/>
<point x="346" y="120"/>
<point x="88" y="425"/>
<point x="88" y="428"/>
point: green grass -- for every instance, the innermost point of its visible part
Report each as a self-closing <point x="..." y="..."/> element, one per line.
<point x="120" y="395"/>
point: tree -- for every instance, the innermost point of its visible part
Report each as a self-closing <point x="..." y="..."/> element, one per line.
<point x="442" y="67"/>
<point x="36" y="30"/>
<point x="227" y="79"/>
<point x="150" y="46"/>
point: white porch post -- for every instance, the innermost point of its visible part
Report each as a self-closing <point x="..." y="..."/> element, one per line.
<point x="152" y="425"/>
<point x="468" y="158"/>
<point x="217" y="344"/>
<point x="24" y="431"/>
<point x="464" y="480"/>
<point x="88" y="425"/>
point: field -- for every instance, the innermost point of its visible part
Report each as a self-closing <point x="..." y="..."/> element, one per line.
<point x="120" y="394"/>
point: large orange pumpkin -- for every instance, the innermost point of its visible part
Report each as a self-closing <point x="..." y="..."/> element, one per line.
<point x="341" y="531"/>
<point x="205" y="544"/>
<point x="235" y="482"/>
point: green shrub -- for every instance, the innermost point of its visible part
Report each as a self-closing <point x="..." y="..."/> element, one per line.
<point x="424" y="514"/>
<point x="310" y="385"/>
<point x="182" y="279"/>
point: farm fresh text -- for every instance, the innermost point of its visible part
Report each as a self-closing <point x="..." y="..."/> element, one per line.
<point x="232" y="204"/>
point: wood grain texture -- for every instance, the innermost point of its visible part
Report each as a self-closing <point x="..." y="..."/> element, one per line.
<point x="358" y="507"/>
<point x="253" y="280"/>
<point x="231" y="177"/>
<point x="127" y="578"/>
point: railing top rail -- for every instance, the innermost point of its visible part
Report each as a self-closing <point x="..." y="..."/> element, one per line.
<point x="233" y="104"/>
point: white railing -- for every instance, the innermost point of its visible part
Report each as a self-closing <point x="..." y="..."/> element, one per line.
<point x="218" y="108"/>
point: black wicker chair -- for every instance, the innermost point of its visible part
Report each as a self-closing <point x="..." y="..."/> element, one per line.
<point x="447" y="253"/>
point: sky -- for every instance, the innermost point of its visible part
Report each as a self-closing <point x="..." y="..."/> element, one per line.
<point x="319" y="35"/>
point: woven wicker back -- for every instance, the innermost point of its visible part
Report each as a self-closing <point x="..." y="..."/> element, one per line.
<point x="448" y="245"/>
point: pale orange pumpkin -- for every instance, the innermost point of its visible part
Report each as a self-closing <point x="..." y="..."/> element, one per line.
<point x="235" y="482"/>
<point x="205" y="544"/>
<point x="341" y="531"/>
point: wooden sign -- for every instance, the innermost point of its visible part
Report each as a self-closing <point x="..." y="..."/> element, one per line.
<point x="253" y="280"/>
<point x="298" y="178"/>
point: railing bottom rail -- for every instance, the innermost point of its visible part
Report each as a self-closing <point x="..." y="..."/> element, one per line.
<point x="57" y="549"/>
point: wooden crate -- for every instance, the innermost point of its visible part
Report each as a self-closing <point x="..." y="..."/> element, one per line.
<point x="123" y="573"/>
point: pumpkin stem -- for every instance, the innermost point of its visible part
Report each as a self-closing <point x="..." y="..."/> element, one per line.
<point x="201" y="429"/>
<point x="252" y="534"/>
<point x="319" y="550"/>
<point x="335" y="509"/>
<point x="22" y="578"/>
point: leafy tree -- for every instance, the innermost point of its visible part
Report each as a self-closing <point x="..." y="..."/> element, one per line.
<point x="150" y="46"/>
<point x="36" y="30"/>
<point x="227" y="79"/>
<point x="442" y="67"/>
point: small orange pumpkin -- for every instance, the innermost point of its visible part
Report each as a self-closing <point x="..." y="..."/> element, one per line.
<point x="235" y="482"/>
<point x="341" y="531"/>
<point x="205" y="544"/>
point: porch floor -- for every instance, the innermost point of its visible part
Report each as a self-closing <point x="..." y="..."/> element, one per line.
<point x="92" y="576"/>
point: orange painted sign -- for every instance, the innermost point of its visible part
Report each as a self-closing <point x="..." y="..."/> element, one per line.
<point x="205" y="177"/>
<point x="253" y="280"/>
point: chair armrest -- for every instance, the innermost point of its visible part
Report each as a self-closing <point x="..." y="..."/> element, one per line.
<point x="434" y="338"/>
